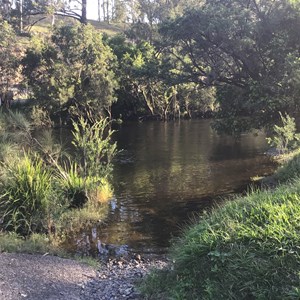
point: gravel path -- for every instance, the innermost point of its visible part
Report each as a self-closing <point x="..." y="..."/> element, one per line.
<point x="37" y="277"/>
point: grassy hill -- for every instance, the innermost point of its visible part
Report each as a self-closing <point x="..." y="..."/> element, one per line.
<point x="45" y="24"/>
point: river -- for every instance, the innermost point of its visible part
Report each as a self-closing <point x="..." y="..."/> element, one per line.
<point x="168" y="173"/>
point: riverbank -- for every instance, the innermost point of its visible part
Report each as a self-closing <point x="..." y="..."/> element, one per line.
<point x="36" y="277"/>
<point x="246" y="249"/>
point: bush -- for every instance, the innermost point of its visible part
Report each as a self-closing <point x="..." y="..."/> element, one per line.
<point x="285" y="137"/>
<point x="248" y="249"/>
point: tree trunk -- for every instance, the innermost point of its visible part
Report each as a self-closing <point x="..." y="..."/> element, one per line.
<point x="107" y="10"/>
<point x="83" y="19"/>
<point x="99" y="10"/>
<point x="21" y="16"/>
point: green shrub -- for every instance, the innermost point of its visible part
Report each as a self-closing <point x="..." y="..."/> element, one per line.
<point x="285" y="137"/>
<point x="38" y="192"/>
<point x="35" y="243"/>
<point x="247" y="249"/>
<point x="95" y="150"/>
<point x="78" y="189"/>
<point x="74" y="220"/>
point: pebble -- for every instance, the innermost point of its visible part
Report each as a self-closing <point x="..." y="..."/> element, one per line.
<point x="117" y="278"/>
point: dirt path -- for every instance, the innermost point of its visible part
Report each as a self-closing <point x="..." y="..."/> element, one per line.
<point x="37" y="277"/>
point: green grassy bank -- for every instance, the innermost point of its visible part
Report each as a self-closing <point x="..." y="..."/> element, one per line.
<point x="247" y="249"/>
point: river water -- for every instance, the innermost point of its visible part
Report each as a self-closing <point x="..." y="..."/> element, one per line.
<point x="168" y="172"/>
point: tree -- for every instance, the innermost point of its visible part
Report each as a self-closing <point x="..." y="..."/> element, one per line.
<point x="76" y="9"/>
<point x="120" y="11"/>
<point x="245" y="49"/>
<point x="8" y="62"/>
<point x="72" y="72"/>
<point x="5" y="9"/>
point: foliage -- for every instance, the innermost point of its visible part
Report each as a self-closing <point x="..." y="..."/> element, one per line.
<point x="289" y="170"/>
<point x="148" y="84"/>
<point x="40" y="117"/>
<point x="246" y="249"/>
<point x="35" y="243"/>
<point x="9" y="52"/>
<point x="285" y="137"/>
<point x="72" y="72"/>
<point x="86" y="179"/>
<point x="216" y="45"/>
<point x="74" y="220"/>
<point x="25" y="196"/>
<point x="39" y="186"/>
<point x="93" y="143"/>
<point x="15" y="135"/>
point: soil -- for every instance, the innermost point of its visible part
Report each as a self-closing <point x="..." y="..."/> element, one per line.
<point x="45" y="277"/>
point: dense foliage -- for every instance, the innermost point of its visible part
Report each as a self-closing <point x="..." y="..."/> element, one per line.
<point x="236" y="60"/>
<point x="72" y="71"/>
<point x="248" y="50"/>
<point x="40" y="184"/>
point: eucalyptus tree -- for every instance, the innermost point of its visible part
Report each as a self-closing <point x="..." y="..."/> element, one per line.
<point x="72" y="72"/>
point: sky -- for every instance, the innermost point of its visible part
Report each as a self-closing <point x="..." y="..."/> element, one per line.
<point x="92" y="9"/>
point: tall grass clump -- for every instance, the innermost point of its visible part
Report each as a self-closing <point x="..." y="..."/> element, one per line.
<point x="247" y="249"/>
<point x="25" y="196"/>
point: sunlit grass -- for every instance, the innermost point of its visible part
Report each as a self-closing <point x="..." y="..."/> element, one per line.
<point x="39" y="244"/>
<point x="35" y="243"/>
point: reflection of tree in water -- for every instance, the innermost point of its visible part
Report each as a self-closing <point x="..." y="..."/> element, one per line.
<point x="178" y="168"/>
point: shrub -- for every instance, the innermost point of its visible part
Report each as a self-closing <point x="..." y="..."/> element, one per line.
<point x="285" y="137"/>
<point x="95" y="151"/>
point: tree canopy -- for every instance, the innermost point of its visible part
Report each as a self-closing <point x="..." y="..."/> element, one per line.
<point x="72" y="70"/>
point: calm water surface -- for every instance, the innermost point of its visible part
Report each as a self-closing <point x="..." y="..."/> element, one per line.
<point x="167" y="172"/>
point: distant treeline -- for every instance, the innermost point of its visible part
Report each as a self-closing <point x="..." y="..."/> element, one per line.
<point x="236" y="60"/>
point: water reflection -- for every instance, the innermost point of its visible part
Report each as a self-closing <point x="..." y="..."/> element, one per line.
<point x="167" y="171"/>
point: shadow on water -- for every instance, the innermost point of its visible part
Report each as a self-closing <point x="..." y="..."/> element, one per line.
<point x="166" y="173"/>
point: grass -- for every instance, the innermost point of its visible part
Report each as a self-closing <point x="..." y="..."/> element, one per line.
<point x="44" y="26"/>
<point x="35" y="243"/>
<point x="246" y="249"/>
<point x="43" y="191"/>
<point x="289" y="170"/>
<point x="39" y="244"/>
<point x="74" y="220"/>
<point x="25" y="195"/>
